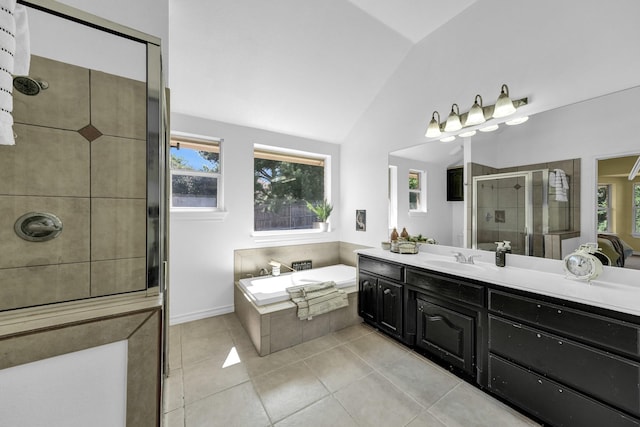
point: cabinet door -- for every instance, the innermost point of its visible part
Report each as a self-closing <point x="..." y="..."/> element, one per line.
<point x="446" y="333"/>
<point x="367" y="297"/>
<point x="390" y="307"/>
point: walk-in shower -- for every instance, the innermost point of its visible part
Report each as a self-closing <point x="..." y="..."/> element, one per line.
<point x="81" y="191"/>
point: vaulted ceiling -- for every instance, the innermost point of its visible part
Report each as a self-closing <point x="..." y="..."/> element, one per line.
<point x="336" y="70"/>
<point x="299" y="67"/>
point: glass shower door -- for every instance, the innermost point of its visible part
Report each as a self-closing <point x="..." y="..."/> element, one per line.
<point x="502" y="210"/>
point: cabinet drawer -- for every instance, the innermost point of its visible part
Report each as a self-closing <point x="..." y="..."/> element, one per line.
<point x="594" y="372"/>
<point x="392" y="271"/>
<point x="610" y="333"/>
<point x="465" y="292"/>
<point x="549" y="400"/>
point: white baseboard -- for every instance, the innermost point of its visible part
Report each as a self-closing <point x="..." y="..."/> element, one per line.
<point x="197" y="315"/>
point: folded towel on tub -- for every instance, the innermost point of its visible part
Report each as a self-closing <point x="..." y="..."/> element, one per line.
<point x="317" y="298"/>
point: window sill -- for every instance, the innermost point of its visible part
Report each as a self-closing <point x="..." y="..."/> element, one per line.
<point x="198" y="214"/>
<point x="281" y="236"/>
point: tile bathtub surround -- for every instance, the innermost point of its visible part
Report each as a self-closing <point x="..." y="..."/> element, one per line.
<point x="250" y="261"/>
<point x="351" y="377"/>
<point x="276" y="326"/>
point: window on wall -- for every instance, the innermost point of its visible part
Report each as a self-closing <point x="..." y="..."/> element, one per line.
<point x="636" y="210"/>
<point x="417" y="191"/>
<point x="284" y="182"/>
<point x="604" y="208"/>
<point x="195" y="173"/>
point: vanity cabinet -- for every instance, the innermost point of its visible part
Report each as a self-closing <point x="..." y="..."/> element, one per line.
<point x="565" y="365"/>
<point x="449" y="318"/>
<point x="380" y="295"/>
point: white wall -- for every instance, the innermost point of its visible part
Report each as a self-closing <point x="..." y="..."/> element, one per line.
<point x="201" y="250"/>
<point x="556" y="53"/>
<point x="437" y="221"/>
<point x="148" y="16"/>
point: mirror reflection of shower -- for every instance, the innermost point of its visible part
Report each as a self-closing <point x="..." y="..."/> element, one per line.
<point x="502" y="211"/>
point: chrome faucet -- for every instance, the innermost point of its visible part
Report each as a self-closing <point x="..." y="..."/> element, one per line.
<point x="464" y="260"/>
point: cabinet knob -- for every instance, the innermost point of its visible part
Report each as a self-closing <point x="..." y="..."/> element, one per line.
<point x="538" y="335"/>
<point x="387" y="291"/>
<point x="539" y="381"/>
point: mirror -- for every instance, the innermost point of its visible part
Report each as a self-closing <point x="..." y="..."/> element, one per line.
<point x="618" y="210"/>
<point x="87" y="153"/>
<point x="581" y="133"/>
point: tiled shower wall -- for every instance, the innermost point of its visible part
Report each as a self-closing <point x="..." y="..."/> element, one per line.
<point x="80" y="154"/>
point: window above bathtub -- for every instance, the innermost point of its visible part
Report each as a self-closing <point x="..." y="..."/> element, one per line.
<point x="196" y="175"/>
<point x="284" y="181"/>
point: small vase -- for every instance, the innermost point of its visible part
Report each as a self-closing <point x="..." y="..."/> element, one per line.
<point x="394" y="234"/>
<point x="322" y="226"/>
<point x="405" y="233"/>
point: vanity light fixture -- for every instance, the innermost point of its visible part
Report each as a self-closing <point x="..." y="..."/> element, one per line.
<point x="517" y="121"/>
<point x="448" y="138"/>
<point x="453" y="122"/>
<point x="504" y="105"/>
<point x="433" y="130"/>
<point x="489" y="128"/>
<point x="467" y="134"/>
<point x="479" y="114"/>
<point x="475" y="116"/>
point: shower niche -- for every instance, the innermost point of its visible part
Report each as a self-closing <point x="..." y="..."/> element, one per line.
<point x="88" y="151"/>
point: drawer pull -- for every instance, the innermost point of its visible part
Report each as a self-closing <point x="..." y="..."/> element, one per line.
<point x="434" y="318"/>
<point x="559" y="311"/>
<point x="539" y="381"/>
<point x="387" y="291"/>
<point x="538" y="335"/>
<point x="559" y="390"/>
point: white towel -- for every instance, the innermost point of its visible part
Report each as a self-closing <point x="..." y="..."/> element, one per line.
<point x="13" y="23"/>
<point x="558" y="180"/>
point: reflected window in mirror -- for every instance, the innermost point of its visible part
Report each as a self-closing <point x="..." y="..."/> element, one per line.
<point x="195" y="173"/>
<point x="417" y="191"/>
<point x="604" y="208"/>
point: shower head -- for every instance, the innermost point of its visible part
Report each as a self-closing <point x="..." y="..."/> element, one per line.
<point x="29" y="86"/>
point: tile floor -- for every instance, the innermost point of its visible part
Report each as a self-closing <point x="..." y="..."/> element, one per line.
<point x="352" y="377"/>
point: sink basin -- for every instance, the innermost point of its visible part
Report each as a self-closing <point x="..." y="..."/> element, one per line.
<point x="457" y="266"/>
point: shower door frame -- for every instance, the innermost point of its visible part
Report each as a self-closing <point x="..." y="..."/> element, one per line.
<point x="528" y="202"/>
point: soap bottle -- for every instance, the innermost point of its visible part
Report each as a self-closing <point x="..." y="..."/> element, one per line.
<point x="500" y="254"/>
<point x="507" y="246"/>
<point x="394" y="234"/>
<point x="405" y="233"/>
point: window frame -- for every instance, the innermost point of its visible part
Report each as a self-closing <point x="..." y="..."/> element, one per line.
<point x="194" y="212"/>
<point x="606" y="210"/>
<point x="421" y="191"/>
<point x="286" y="154"/>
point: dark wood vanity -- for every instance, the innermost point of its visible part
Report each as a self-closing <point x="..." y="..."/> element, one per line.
<point x="561" y="362"/>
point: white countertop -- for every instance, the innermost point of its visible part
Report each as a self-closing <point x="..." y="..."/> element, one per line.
<point x="616" y="289"/>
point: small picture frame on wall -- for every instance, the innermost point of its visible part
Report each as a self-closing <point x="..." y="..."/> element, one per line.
<point x="361" y="220"/>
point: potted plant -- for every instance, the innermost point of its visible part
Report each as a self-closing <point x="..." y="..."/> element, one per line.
<point x="322" y="212"/>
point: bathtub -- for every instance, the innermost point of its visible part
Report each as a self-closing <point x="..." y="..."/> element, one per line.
<point x="272" y="289"/>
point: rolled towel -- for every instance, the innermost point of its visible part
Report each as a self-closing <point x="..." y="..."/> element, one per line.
<point x="13" y="23"/>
